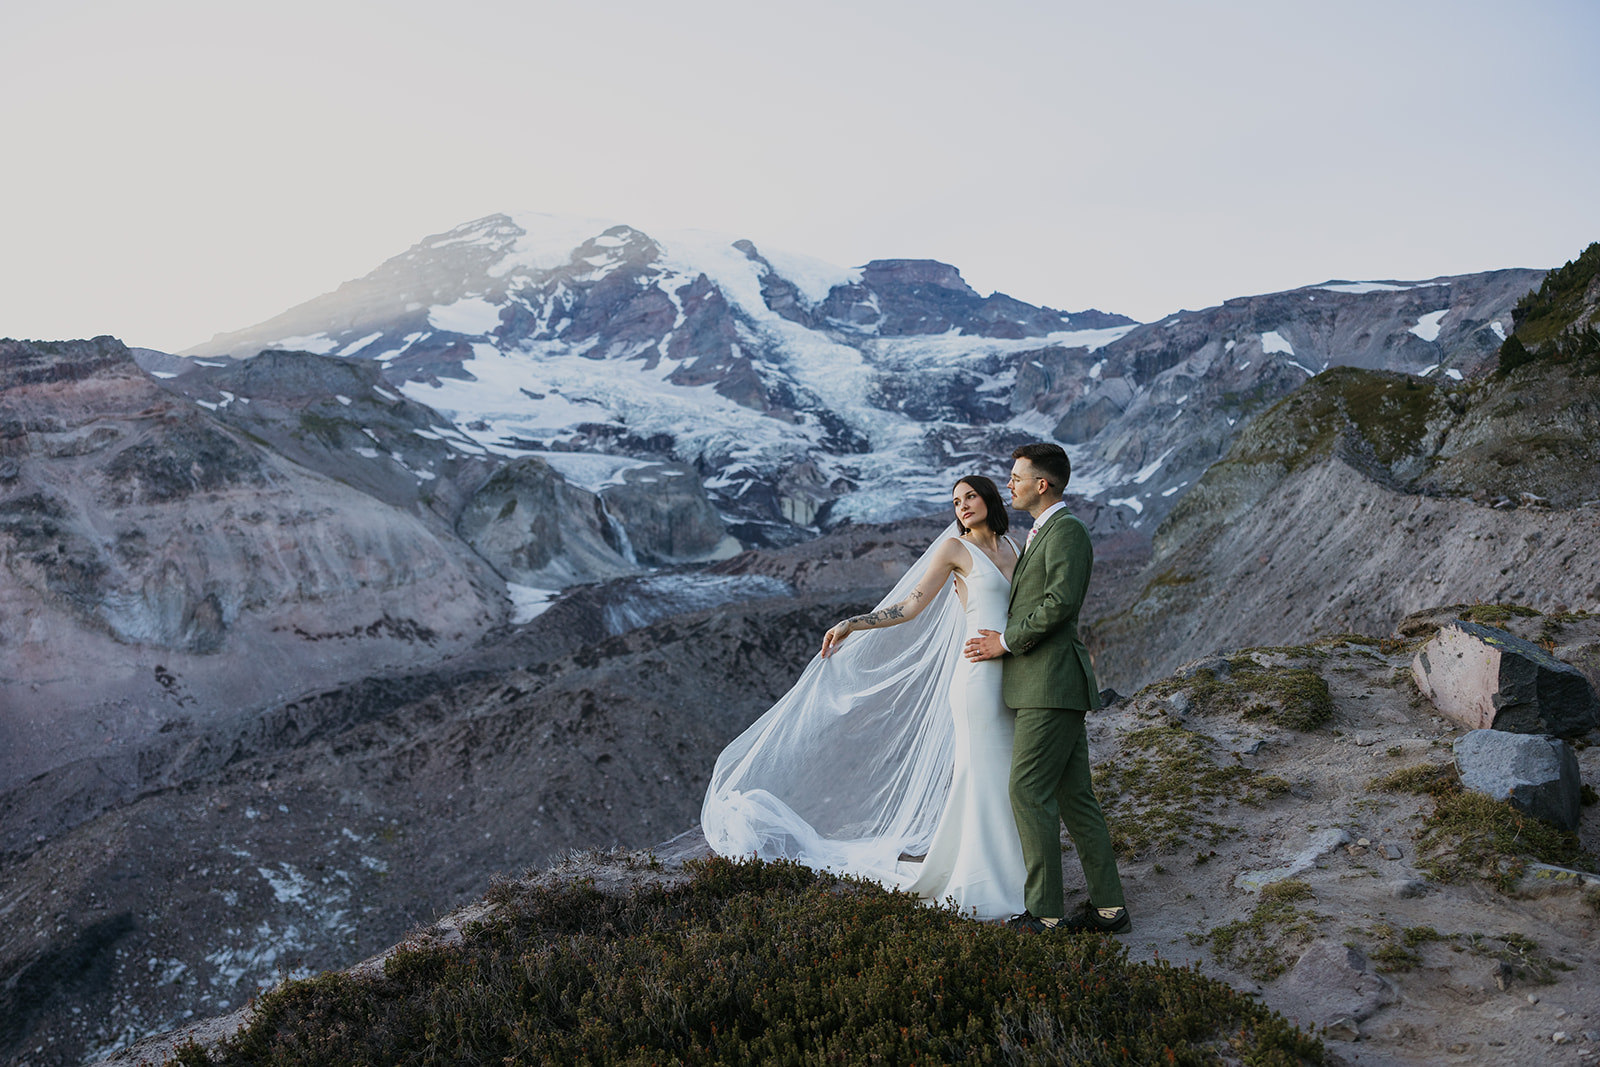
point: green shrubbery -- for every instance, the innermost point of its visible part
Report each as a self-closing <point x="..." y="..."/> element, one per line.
<point x="1548" y="319"/>
<point x="758" y="963"/>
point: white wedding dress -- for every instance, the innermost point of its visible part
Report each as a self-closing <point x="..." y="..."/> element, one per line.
<point x="895" y="745"/>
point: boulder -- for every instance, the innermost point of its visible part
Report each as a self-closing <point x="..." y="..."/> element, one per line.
<point x="1485" y="678"/>
<point x="1539" y="775"/>
<point x="1331" y="982"/>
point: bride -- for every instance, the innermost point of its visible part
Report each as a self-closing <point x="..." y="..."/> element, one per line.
<point x="891" y="755"/>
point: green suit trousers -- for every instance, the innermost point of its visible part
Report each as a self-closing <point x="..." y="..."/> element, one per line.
<point x="1050" y="785"/>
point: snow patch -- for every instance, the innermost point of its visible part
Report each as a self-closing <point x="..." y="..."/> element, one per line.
<point x="319" y="343"/>
<point x="1360" y="288"/>
<point x="1427" y="327"/>
<point x="1429" y="369"/>
<point x="813" y="277"/>
<point x="355" y="346"/>
<point x="1128" y="501"/>
<point x="1498" y="328"/>
<point x="470" y="315"/>
<point x="528" y="603"/>
<point x="593" y="471"/>
<point x="1309" y="372"/>
<point x="1272" y="342"/>
<point x="1453" y="373"/>
<point x="1146" y="471"/>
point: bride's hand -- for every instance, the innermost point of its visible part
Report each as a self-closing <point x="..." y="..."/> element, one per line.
<point x="831" y="639"/>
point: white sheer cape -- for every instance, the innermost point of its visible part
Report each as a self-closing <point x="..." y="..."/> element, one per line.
<point x="853" y="765"/>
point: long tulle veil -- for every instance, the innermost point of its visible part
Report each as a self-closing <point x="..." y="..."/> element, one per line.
<point x="852" y="766"/>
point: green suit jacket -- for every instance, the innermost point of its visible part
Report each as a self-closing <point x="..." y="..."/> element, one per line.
<point x="1048" y="666"/>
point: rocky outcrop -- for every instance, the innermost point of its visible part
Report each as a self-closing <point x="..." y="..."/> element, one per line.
<point x="1325" y="517"/>
<point x="1485" y="678"/>
<point x="340" y="418"/>
<point x="536" y="530"/>
<point x="666" y="516"/>
<point x="1537" y="774"/>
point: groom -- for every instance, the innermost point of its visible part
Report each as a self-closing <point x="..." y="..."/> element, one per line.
<point x="1048" y="680"/>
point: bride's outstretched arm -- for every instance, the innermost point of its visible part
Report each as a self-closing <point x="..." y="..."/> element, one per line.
<point x="946" y="561"/>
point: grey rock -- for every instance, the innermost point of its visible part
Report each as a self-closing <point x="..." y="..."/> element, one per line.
<point x="1483" y="677"/>
<point x="666" y="516"/>
<point x="1217" y="666"/>
<point x="1392" y="851"/>
<point x="1331" y="982"/>
<point x="1539" y="775"/>
<point x="1343" y="1028"/>
<point x="535" y="529"/>
<point x="1410" y="888"/>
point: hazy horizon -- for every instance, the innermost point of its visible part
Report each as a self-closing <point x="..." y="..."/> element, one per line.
<point x="182" y="169"/>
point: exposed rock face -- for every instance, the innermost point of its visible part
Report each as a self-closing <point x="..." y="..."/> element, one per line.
<point x="536" y="530"/>
<point x="664" y="510"/>
<point x="1538" y="774"/>
<point x="161" y="574"/>
<point x="906" y="297"/>
<point x="340" y="418"/>
<point x="1485" y="678"/>
<point x="1156" y="407"/>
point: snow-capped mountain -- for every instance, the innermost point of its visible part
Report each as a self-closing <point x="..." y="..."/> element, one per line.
<point x="806" y="394"/>
<point x="800" y="391"/>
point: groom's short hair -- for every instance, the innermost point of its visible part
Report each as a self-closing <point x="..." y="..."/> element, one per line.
<point x="1049" y="460"/>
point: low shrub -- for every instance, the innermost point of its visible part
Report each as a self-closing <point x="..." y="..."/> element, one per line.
<point x="755" y="963"/>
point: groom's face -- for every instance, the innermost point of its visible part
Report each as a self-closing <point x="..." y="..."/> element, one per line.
<point x="1024" y="484"/>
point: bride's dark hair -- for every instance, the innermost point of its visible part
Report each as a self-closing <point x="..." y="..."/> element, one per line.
<point x="997" y="520"/>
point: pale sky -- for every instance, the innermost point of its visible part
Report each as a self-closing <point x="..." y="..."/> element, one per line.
<point x="170" y="169"/>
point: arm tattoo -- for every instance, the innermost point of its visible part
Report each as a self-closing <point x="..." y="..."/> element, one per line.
<point x="877" y="618"/>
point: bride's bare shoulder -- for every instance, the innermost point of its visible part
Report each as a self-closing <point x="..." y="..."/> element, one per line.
<point x="955" y="553"/>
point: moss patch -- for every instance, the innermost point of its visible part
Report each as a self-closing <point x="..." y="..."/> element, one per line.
<point x="1295" y="698"/>
<point x="1496" y="614"/>
<point x="759" y="963"/>
<point x="1470" y="835"/>
<point x="1260" y="943"/>
<point x="1380" y="415"/>
<point x="1165" y="790"/>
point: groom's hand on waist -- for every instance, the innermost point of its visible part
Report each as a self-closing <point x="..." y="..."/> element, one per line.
<point x="987" y="645"/>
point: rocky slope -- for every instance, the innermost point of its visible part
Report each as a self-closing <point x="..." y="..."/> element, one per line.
<point x="161" y="575"/>
<point x="805" y="394"/>
<point x="1362" y="497"/>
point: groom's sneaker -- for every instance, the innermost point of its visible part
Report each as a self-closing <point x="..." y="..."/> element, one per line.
<point x="1026" y="923"/>
<point x="1091" y="921"/>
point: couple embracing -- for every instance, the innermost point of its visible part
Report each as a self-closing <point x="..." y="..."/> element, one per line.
<point x="938" y="743"/>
